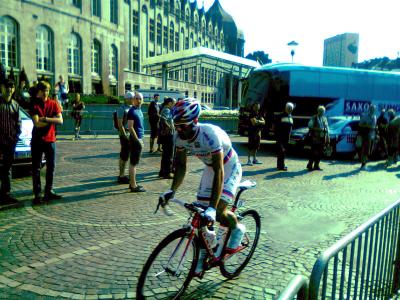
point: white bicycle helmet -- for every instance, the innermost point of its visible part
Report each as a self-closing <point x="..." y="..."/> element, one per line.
<point x="186" y="111"/>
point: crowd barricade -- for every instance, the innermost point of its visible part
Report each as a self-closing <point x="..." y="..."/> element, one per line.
<point x="365" y="264"/>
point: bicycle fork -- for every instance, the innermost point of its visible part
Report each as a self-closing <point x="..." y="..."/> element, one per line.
<point x="182" y="259"/>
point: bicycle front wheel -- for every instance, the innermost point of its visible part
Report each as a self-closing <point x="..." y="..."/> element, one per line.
<point x="233" y="264"/>
<point x="170" y="267"/>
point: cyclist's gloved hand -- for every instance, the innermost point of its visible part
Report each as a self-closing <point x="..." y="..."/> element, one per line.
<point x="166" y="196"/>
<point x="210" y="213"/>
<point x="164" y="199"/>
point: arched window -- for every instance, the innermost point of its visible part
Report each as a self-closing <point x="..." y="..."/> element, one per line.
<point x="171" y="36"/>
<point x="75" y="55"/>
<point x="9" y="47"/>
<point x="191" y="40"/>
<point x="200" y="45"/>
<point x="96" y="58"/>
<point x="159" y="30"/>
<point x="113" y="62"/>
<point x="44" y="49"/>
<point x="144" y="33"/>
<point x="187" y="15"/>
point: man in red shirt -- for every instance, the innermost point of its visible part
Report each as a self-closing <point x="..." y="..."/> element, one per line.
<point x="46" y="113"/>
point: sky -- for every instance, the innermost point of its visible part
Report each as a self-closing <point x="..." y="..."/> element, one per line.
<point x="269" y="25"/>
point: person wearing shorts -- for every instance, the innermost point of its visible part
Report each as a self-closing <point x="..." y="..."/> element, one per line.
<point x="136" y="130"/>
<point x="221" y="175"/>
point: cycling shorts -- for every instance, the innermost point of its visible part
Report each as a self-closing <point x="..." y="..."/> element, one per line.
<point x="232" y="178"/>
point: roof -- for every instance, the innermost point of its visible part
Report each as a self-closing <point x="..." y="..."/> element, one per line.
<point x="199" y="52"/>
<point x="217" y="13"/>
<point x="280" y="67"/>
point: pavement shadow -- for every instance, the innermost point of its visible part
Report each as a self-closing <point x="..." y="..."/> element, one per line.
<point x="342" y="175"/>
<point x="85" y="157"/>
<point x="206" y="290"/>
<point x="286" y="174"/>
<point x="257" y="172"/>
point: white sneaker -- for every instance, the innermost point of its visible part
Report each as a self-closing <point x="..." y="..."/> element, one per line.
<point x="236" y="236"/>
<point x="167" y="210"/>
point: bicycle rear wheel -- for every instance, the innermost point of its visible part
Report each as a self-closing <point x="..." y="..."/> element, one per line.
<point x="170" y="267"/>
<point x="232" y="265"/>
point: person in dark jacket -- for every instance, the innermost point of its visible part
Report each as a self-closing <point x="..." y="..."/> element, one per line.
<point x="154" y="120"/>
<point x="319" y="130"/>
<point x="283" y="127"/>
<point x="256" y="124"/>
<point x="10" y="128"/>
<point x="382" y="124"/>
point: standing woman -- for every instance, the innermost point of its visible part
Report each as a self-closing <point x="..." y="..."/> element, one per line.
<point x="256" y="124"/>
<point x="77" y="111"/>
<point x="167" y="130"/>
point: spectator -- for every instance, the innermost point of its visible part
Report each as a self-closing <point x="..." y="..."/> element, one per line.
<point x="154" y="119"/>
<point x="136" y="130"/>
<point x="283" y="127"/>
<point x="122" y="114"/>
<point x="62" y="92"/>
<point x="46" y="113"/>
<point x="77" y="114"/>
<point x="393" y="138"/>
<point x="382" y="126"/>
<point x="10" y="128"/>
<point x="256" y="124"/>
<point x="22" y="95"/>
<point x="32" y="94"/>
<point x="367" y="133"/>
<point x="166" y="138"/>
<point x="319" y="130"/>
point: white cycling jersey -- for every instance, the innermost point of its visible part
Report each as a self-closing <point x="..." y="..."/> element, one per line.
<point x="209" y="140"/>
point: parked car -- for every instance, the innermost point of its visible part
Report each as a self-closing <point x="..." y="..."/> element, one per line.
<point x="342" y="133"/>
<point x="23" y="155"/>
<point x="205" y="107"/>
<point x="221" y="108"/>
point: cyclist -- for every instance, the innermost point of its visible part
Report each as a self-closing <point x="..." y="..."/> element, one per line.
<point x="221" y="175"/>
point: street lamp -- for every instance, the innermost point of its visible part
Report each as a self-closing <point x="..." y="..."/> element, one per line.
<point x="292" y="46"/>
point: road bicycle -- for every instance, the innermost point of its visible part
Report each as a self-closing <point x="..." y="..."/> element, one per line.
<point x="171" y="266"/>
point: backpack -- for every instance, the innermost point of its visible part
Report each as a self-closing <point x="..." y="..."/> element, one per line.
<point x="115" y="119"/>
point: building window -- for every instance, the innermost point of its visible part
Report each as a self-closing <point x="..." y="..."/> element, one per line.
<point x="186" y="74"/>
<point x="74" y="55"/>
<point x="44" y="49"/>
<point x="135" y="58"/>
<point x="191" y="40"/>
<point x="152" y="3"/>
<point x="114" y="11"/>
<point x="187" y="42"/>
<point x="166" y="6"/>
<point x="171" y="36"/>
<point x="151" y="53"/>
<point x="135" y="23"/>
<point x="165" y="39"/>
<point x="76" y="3"/>
<point x="96" y="8"/>
<point x="8" y="42"/>
<point x="113" y="62"/>
<point x="152" y="30"/>
<point x="194" y="75"/>
<point x="96" y="58"/>
<point x="176" y="41"/>
<point x="159" y="30"/>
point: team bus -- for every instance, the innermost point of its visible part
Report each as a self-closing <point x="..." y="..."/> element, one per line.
<point x="343" y="91"/>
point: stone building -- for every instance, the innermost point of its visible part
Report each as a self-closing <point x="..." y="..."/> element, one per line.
<point x="103" y="46"/>
<point x="341" y="50"/>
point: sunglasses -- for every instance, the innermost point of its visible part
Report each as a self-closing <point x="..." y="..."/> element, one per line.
<point x="180" y="127"/>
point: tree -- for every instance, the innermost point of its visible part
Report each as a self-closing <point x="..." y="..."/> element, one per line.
<point x="260" y="56"/>
<point x="23" y="77"/>
<point x="2" y="73"/>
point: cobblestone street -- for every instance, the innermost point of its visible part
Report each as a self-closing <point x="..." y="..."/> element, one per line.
<point x="93" y="243"/>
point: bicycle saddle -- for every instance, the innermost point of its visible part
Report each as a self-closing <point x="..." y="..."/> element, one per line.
<point x="247" y="184"/>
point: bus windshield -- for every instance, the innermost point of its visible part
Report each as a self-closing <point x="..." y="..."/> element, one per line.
<point x="255" y="89"/>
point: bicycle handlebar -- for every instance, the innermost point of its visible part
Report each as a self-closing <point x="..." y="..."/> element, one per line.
<point x="189" y="206"/>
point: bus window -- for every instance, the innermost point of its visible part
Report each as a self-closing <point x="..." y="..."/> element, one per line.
<point x="256" y="89"/>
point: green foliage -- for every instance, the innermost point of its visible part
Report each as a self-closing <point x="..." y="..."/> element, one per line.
<point x="226" y="114"/>
<point x="91" y="99"/>
<point x="260" y="56"/>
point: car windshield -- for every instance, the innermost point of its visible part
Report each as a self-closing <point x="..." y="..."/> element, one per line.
<point x="338" y="125"/>
<point x="23" y="114"/>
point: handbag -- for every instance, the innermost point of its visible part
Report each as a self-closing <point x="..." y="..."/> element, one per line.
<point x="328" y="150"/>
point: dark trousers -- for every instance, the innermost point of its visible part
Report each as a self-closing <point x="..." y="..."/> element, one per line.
<point x="5" y="168"/>
<point x="280" y="151"/>
<point x="167" y="143"/>
<point x="49" y="150"/>
<point x="317" y="151"/>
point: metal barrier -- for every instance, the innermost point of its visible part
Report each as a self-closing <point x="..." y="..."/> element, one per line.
<point x="362" y="265"/>
<point x="297" y="288"/>
<point x="365" y="264"/>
